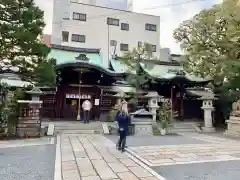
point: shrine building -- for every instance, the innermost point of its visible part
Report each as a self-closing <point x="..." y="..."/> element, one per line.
<point x="81" y="75"/>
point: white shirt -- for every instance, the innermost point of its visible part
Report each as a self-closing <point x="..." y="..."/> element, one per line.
<point x="86" y="105"/>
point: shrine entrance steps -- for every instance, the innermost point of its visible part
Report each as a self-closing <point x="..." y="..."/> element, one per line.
<point x="178" y="127"/>
<point x="75" y="127"/>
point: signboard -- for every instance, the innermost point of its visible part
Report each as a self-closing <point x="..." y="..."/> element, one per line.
<point x="96" y="102"/>
<point x="76" y="96"/>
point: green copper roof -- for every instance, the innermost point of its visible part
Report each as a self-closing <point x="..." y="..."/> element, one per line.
<point x="119" y="67"/>
<point x="15" y="82"/>
<point x="63" y="57"/>
<point x="169" y="72"/>
<point x="160" y="70"/>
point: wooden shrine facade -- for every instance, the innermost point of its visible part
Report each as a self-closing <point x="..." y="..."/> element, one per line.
<point x="81" y="80"/>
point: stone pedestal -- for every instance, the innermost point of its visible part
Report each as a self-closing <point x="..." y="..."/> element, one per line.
<point x="208" y="108"/>
<point x="142" y="121"/>
<point x="120" y="96"/>
<point x="29" y="123"/>
<point x="233" y="124"/>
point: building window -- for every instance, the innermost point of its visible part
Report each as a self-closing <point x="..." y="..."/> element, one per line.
<point x="151" y="27"/>
<point x="154" y="48"/>
<point x="139" y="44"/>
<point x="79" y="16"/>
<point x="65" y="35"/>
<point x="123" y="47"/>
<point x="125" y="26"/>
<point x="112" y="21"/>
<point x="78" y="38"/>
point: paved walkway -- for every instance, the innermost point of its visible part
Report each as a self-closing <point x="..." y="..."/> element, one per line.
<point x="217" y="149"/>
<point x="94" y="157"/>
<point x="30" y="159"/>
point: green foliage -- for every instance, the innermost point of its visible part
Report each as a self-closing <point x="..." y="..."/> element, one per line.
<point x="211" y="42"/>
<point x="21" y="24"/>
<point x="9" y="108"/>
<point x="3" y="109"/>
<point x="45" y="73"/>
<point x="136" y="77"/>
<point x="13" y="106"/>
<point x="164" y="114"/>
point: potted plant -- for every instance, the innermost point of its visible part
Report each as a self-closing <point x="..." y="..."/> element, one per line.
<point x="164" y="115"/>
<point x="164" y="125"/>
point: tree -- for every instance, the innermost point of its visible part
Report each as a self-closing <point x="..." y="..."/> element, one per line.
<point x="136" y="77"/>
<point x="45" y="73"/>
<point x="21" y="24"/>
<point x="211" y="42"/>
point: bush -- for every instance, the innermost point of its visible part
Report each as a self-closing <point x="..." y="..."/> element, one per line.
<point x="164" y="114"/>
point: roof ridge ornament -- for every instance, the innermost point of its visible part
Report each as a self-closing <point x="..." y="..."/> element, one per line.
<point x="179" y="72"/>
<point x="82" y="57"/>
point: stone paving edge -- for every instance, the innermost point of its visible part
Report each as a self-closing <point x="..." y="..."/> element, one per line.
<point x="139" y="157"/>
<point x="143" y="165"/>
<point x="58" y="164"/>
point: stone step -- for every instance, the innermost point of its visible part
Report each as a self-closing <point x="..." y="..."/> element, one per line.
<point x="79" y="131"/>
<point x="182" y="130"/>
<point x="177" y="127"/>
<point x="76" y="128"/>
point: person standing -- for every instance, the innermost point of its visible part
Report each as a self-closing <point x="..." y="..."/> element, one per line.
<point x="123" y="120"/>
<point x="87" y="106"/>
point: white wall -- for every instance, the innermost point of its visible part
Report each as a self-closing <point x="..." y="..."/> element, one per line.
<point x="115" y="4"/>
<point x="97" y="31"/>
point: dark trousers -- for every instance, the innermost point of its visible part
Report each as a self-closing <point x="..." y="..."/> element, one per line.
<point x="122" y="140"/>
<point x="86" y="116"/>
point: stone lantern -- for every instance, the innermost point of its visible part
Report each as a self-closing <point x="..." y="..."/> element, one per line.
<point x="207" y="106"/>
<point x="29" y="123"/>
<point x="35" y="94"/>
<point x="153" y="103"/>
<point x="120" y="96"/>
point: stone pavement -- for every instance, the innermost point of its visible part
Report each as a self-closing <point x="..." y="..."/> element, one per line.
<point x="219" y="149"/>
<point x="94" y="157"/>
<point x="26" y="142"/>
<point x="27" y="159"/>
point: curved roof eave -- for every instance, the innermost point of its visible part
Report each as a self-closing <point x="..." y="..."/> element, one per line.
<point x="88" y="65"/>
<point x="172" y="76"/>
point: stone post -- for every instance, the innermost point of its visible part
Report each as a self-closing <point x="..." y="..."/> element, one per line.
<point x="207" y="106"/>
<point x="153" y="104"/>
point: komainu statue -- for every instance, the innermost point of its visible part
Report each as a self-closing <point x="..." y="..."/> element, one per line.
<point x="236" y="109"/>
<point x="233" y="124"/>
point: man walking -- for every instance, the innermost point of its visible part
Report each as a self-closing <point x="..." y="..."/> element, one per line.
<point x="86" y="110"/>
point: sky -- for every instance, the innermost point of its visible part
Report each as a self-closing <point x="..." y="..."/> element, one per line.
<point x="171" y="15"/>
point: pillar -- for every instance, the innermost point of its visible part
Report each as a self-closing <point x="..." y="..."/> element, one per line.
<point x="208" y="108"/>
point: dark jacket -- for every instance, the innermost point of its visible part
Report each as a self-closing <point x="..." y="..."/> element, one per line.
<point x="123" y="121"/>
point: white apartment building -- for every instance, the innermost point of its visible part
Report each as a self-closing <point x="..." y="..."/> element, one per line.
<point x="110" y="30"/>
<point x="114" y="4"/>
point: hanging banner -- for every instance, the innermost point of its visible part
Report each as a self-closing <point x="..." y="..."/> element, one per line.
<point x="76" y="96"/>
